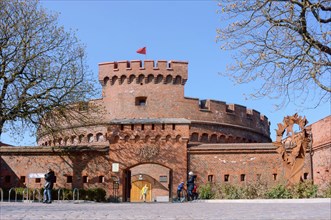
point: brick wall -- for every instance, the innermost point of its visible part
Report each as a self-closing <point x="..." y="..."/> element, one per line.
<point x="18" y="163"/>
<point x="241" y="163"/>
<point x="321" y="131"/>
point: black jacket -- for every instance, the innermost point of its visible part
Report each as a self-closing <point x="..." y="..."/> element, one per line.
<point x="50" y="179"/>
<point x="190" y="183"/>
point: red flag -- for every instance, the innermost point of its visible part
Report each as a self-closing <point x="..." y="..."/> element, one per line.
<point x="142" y="50"/>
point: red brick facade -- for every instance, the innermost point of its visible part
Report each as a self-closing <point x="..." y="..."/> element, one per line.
<point x="321" y="155"/>
<point x="150" y="133"/>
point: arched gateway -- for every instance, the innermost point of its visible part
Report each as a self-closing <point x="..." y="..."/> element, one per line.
<point x="157" y="178"/>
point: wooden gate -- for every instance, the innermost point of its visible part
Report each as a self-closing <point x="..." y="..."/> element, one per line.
<point x="136" y="191"/>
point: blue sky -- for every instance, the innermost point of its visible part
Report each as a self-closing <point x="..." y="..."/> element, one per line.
<point x="171" y="30"/>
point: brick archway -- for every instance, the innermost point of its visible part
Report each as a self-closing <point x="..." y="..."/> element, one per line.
<point x="157" y="177"/>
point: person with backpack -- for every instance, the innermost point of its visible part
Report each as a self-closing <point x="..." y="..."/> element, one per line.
<point x="190" y="186"/>
<point x="50" y="179"/>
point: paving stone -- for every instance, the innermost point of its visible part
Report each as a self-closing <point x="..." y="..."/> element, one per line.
<point x="210" y="209"/>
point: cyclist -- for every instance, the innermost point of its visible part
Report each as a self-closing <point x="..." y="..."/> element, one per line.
<point x="179" y="190"/>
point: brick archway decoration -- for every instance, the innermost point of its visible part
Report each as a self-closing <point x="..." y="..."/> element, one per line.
<point x="293" y="148"/>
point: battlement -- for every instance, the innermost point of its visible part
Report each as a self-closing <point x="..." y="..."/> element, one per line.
<point x="167" y="72"/>
<point x="231" y="109"/>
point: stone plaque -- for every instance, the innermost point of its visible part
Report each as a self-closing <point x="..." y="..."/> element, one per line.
<point x="115" y="167"/>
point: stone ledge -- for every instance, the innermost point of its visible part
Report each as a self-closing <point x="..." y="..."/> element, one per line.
<point x="29" y="150"/>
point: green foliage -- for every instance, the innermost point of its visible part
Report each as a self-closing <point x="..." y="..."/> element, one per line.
<point x="93" y="194"/>
<point x="206" y="192"/>
<point x="304" y="190"/>
<point x="253" y="191"/>
<point x="228" y="191"/>
<point x="279" y="192"/>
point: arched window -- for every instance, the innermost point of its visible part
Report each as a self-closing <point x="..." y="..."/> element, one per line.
<point x="127" y="138"/>
<point x="168" y="79"/>
<point x="158" y="79"/>
<point x="81" y="138"/>
<point x="131" y="78"/>
<point x="123" y="78"/>
<point x="204" y="138"/>
<point x="65" y="140"/>
<point x="105" y="81"/>
<point x="100" y="137"/>
<point x="168" y="138"/>
<point x="113" y="80"/>
<point x="74" y="140"/>
<point x="213" y="138"/>
<point x="140" y="78"/>
<point x="90" y="138"/>
<point x="150" y="78"/>
<point x="178" y="80"/>
<point x="178" y="138"/>
<point x="194" y="137"/>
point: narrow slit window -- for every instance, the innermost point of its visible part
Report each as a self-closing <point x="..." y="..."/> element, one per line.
<point x="275" y="176"/>
<point x="85" y="179"/>
<point x="210" y="178"/>
<point x="101" y="179"/>
<point x="69" y="179"/>
<point x="226" y="177"/>
<point x="242" y="177"/>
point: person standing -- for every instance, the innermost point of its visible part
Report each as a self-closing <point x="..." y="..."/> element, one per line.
<point x="50" y="179"/>
<point x="144" y="191"/>
<point x="190" y="186"/>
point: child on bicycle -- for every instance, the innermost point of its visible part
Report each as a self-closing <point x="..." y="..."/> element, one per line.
<point x="179" y="190"/>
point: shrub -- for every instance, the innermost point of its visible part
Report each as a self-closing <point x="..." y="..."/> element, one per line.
<point x="304" y="190"/>
<point x="279" y="192"/>
<point x="205" y="191"/>
<point x="227" y="191"/>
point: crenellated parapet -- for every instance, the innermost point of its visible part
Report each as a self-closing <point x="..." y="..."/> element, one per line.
<point x="220" y="122"/>
<point x="231" y="111"/>
<point x="141" y="72"/>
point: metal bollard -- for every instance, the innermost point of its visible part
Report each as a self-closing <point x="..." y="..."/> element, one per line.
<point x="10" y="193"/>
<point x="26" y="190"/>
<point x="58" y="194"/>
<point x="39" y="193"/>
<point x="73" y="194"/>
<point x="1" y="191"/>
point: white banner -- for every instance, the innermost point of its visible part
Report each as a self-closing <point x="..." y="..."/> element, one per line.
<point x="36" y="175"/>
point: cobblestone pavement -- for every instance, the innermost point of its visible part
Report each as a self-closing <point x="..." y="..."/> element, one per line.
<point x="211" y="209"/>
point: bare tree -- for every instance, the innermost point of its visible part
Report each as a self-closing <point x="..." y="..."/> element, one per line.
<point x="283" y="43"/>
<point x="43" y="69"/>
